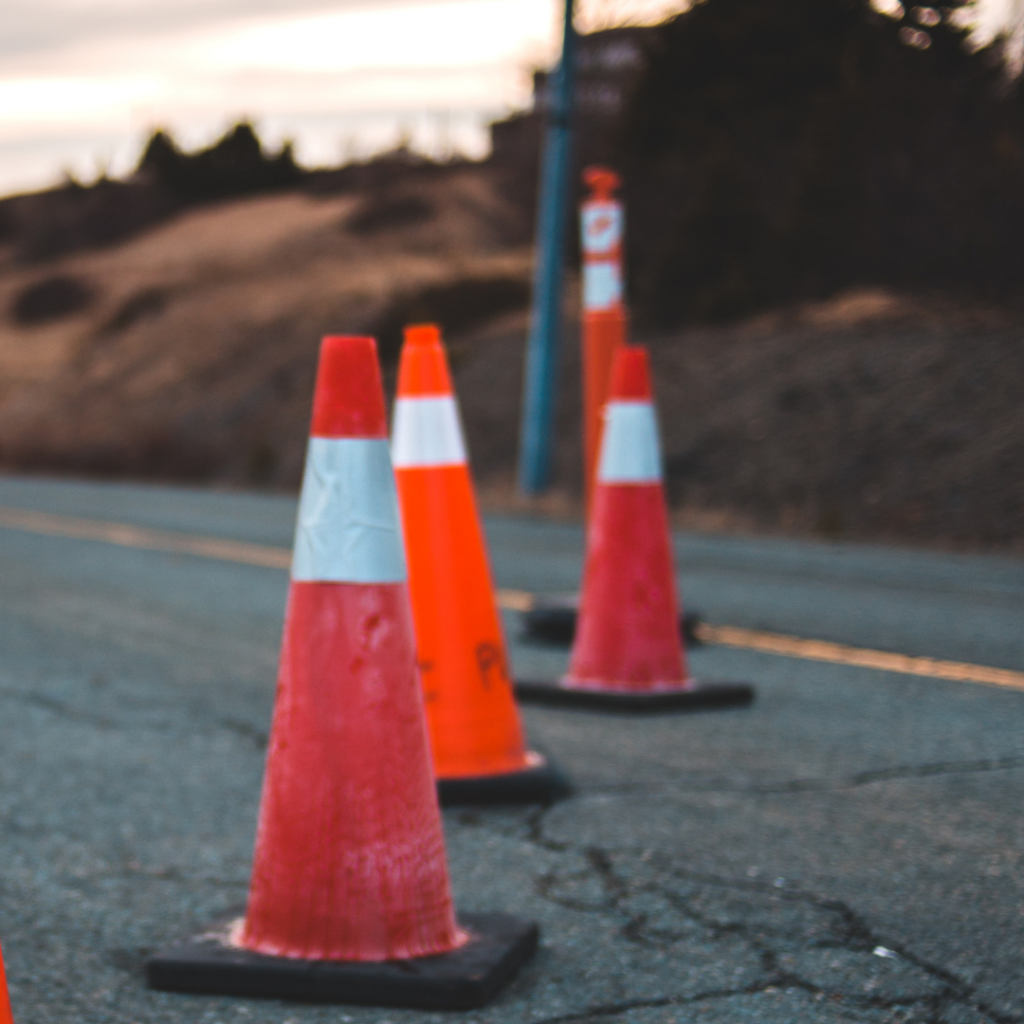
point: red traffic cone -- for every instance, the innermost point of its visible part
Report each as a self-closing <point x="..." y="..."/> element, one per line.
<point x="6" y="1016"/>
<point x="627" y="638"/>
<point x="350" y="879"/>
<point x="480" y="754"/>
<point x="627" y="650"/>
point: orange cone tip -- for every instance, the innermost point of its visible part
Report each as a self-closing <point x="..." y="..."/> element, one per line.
<point x="627" y="636"/>
<point x="427" y="433"/>
<point x="350" y="860"/>
<point x="474" y="722"/>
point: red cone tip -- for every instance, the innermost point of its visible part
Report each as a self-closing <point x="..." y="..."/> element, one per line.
<point x="423" y="334"/>
<point x="349" y="396"/>
<point x="631" y="375"/>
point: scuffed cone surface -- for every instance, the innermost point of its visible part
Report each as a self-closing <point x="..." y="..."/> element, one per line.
<point x="627" y="636"/>
<point x="471" y="711"/>
<point x="350" y="861"/>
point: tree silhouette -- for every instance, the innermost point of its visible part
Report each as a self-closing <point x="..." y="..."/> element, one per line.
<point x="234" y="165"/>
<point x="782" y="149"/>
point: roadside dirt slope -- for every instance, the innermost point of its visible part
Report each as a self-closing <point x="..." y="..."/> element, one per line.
<point x="188" y="353"/>
<point x="192" y="348"/>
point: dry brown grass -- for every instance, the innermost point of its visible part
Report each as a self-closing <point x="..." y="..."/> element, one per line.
<point x="196" y="359"/>
<point x="872" y="415"/>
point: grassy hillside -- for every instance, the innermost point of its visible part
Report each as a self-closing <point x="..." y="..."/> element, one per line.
<point x="187" y="352"/>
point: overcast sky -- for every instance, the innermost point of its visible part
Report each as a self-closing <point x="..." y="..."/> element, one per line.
<point x="82" y="81"/>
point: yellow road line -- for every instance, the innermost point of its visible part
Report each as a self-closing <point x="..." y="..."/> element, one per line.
<point x="143" y="537"/>
<point x="861" y="657"/>
<point x="269" y="557"/>
<point x="515" y="600"/>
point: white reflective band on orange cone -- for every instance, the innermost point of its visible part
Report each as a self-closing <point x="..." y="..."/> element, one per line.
<point x="602" y="285"/>
<point x="427" y="432"/>
<point x="348" y="528"/>
<point x="630" y="452"/>
<point x="601" y="227"/>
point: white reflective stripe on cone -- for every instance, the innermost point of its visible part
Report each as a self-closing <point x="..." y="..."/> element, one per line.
<point x="601" y="227"/>
<point x="348" y="529"/>
<point x="427" y="432"/>
<point x="602" y="285"/>
<point x="630" y="452"/>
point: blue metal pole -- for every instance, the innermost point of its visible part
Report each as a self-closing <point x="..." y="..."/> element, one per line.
<point x="545" y="318"/>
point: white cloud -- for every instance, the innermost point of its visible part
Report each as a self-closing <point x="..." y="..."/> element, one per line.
<point x="81" y="81"/>
<point x="41" y="25"/>
<point x="36" y="106"/>
<point x="449" y="34"/>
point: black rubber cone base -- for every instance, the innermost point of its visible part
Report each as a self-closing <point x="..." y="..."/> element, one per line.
<point x="464" y="979"/>
<point x="698" y="697"/>
<point x="552" y="620"/>
<point x="543" y="783"/>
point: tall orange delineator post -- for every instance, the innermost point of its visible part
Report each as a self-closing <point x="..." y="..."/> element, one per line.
<point x="6" y="1017"/>
<point x="479" y="750"/>
<point x="605" y="323"/>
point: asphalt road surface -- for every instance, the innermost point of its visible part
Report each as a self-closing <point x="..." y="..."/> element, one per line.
<point x="849" y="848"/>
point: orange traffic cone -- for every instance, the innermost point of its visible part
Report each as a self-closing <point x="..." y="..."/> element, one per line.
<point x="476" y="736"/>
<point x="627" y="650"/>
<point x="6" y="1016"/>
<point x="350" y="879"/>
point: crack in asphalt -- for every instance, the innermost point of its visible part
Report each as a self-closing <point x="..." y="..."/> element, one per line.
<point x="653" y="1003"/>
<point x="66" y="710"/>
<point x="61" y="708"/>
<point x="819" y="785"/>
<point x="998" y="764"/>
<point x="850" y="933"/>
<point x="260" y="738"/>
<point x="695" y="784"/>
<point x="611" y="871"/>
